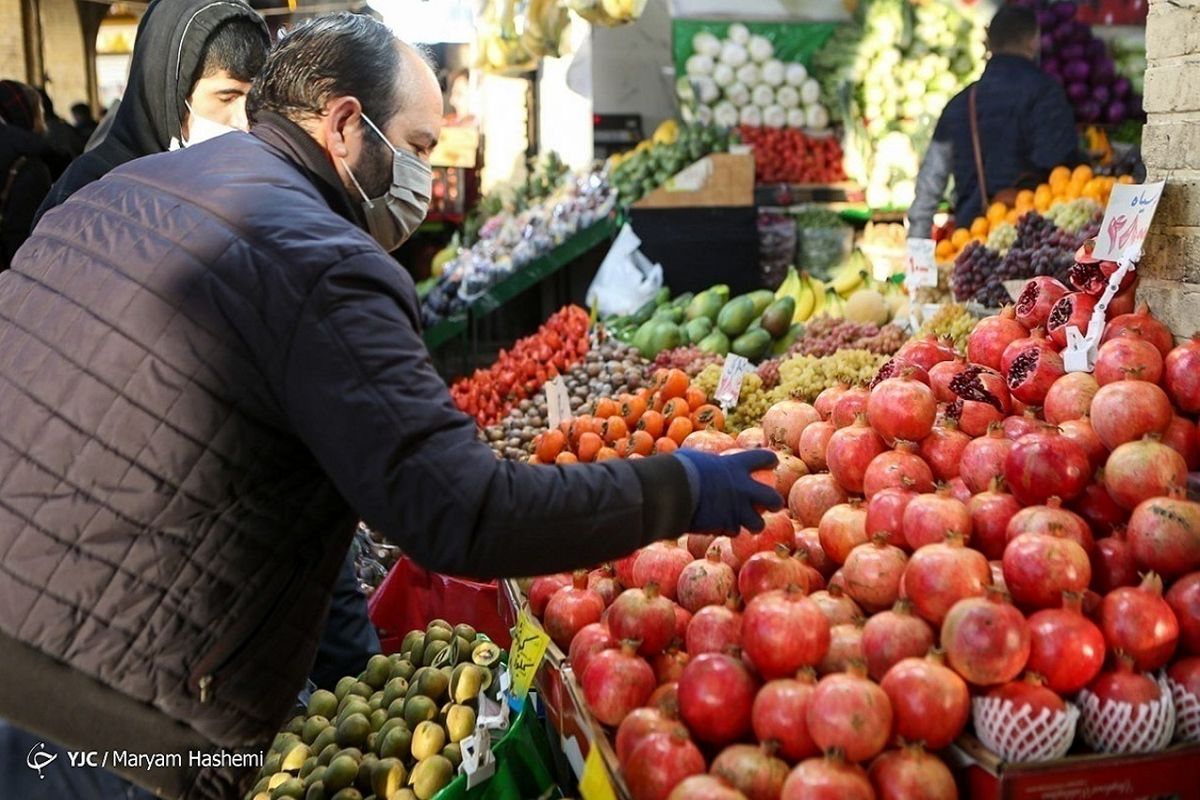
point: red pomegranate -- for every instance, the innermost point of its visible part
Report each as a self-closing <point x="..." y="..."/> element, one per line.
<point x="983" y="459"/>
<point x="640" y="723"/>
<point x="789" y="470"/>
<point x="785" y="421"/>
<point x="842" y="528"/>
<point x="1070" y="397"/>
<point x="708" y="441"/>
<point x="850" y="451"/>
<point x="1081" y="432"/>
<point x="1163" y="534"/>
<point x="852" y="403"/>
<point x="930" y="518"/>
<point x="1073" y="309"/>
<point x="668" y="665"/>
<point x="898" y="468"/>
<point x="1032" y="373"/>
<point x="752" y="770"/>
<point x="1031" y="695"/>
<point x="911" y="772"/>
<point x="902" y="408"/>
<point x="1046" y="464"/>
<point x="704" y="787"/>
<point x="1143" y="324"/>
<point x="779" y="715"/>
<point x="1027" y="422"/>
<point x="1128" y="355"/>
<point x="716" y="695"/>
<point x="813" y="495"/>
<point x="892" y="636"/>
<point x="616" y="682"/>
<point x="894" y="368"/>
<point x="940" y="376"/>
<point x="1137" y="471"/>
<point x="1097" y="507"/>
<point x="1066" y="648"/>
<point x="927" y="351"/>
<point x="1037" y="298"/>
<point x="603" y="582"/>
<point x="777" y="530"/>
<point x="659" y="763"/>
<point x="765" y="572"/>
<point x="661" y="563"/>
<point x="983" y="398"/>
<point x="1113" y="564"/>
<point x="885" y="515"/>
<point x="813" y="443"/>
<point x="828" y="398"/>
<point x="644" y="616"/>
<point x="838" y="608"/>
<point x="1039" y="568"/>
<point x="1184" y="600"/>
<point x="1051" y="520"/>
<point x="1181" y="372"/>
<point x="705" y="582"/>
<point x="986" y="639"/>
<point x="873" y="573"/>
<point x="1186" y="673"/>
<point x="851" y="713"/>
<point x="991" y="335"/>
<point x="1182" y="437"/>
<point x="590" y="640"/>
<point x="845" y="647"/>
<point x="829" y="778"/>
<point x="683" y="618"/>
<point x="665" y="699"/>
<point x="1128" y="410"/>
<point x="990" y="515"/>
<point x="1139" y="622"/>
<point x="808" y="542"/>
<point x="783" y="631"/>
<point x="714" y="629"/>
<point x="570" y="609"/>
<point x="723" y="547"/>
<point x="943" y="449"/>
<point x="750" y="439"/>
<point x="1122" y="685"/>
<point x="939" y="575"/>
<point x="930" y="702"/>
<point x="543" y="588"/>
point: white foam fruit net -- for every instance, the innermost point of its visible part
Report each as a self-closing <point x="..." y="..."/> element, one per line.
<point x="1187" y="713"/>
<point x="1125" y="728"/>
<point x="1020" y="735"/>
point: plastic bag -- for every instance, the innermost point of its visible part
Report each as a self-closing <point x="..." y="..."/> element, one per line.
<point x="626" y="279"/>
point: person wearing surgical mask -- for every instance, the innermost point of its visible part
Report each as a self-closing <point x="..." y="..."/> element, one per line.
<point x="192" y="66"/>
<point x="230" y="375"/>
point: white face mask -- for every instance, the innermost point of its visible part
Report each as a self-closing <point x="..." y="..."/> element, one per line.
<point x="391" y="219"/>
<point x="201" y="129"/>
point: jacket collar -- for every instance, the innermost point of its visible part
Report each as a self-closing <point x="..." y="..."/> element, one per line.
<point x="300" y="148"/>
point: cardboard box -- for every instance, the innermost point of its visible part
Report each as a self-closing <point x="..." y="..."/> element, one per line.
<point x="1173" y="773"/>
<point x="718" y="180"/>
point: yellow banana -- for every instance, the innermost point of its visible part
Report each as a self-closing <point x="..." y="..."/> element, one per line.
<point x="817" y="287"/>
<point x="847" y="281"/>
<point x="789" y="286"/>
<point x="806" y="300"/>
<point x="835" y="305"/>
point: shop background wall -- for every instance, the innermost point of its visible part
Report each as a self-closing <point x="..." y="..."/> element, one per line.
<point x="12" y="46"/>
<point x="628" y="64"/>
<point x="66" y="58"/>
<point x="1171" y="149"/>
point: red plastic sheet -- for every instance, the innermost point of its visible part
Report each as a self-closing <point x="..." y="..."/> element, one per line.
<point x="410" y="596"/>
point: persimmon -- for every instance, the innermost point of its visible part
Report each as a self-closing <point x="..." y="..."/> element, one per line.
<point x="665" y="445"/>
<point x="566" y="457"/>
<point x="579" y="426"/>
<point x="676" y="407"/>
<point x="653" y="423"/>
<point x="614" y="429"/>
<point x="632" y="410"/>
<point x="676" y="384"/>
<point x="607" y="407"/>
<point x="679" y="429"/>
<point x="549" y="445"/>
<point x="622" y="446"/>
<point x="589" y="445"/>
<point x="641" y="443"/>
<point x="708" y="416"/>
<point x="606" y="453"/>
<point x="695" y="397"/>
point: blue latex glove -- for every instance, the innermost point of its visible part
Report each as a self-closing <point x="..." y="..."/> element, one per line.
<point x="726" y="495"/>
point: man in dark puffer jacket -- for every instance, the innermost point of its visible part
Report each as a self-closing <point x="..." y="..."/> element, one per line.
<point x="209" y="372"/>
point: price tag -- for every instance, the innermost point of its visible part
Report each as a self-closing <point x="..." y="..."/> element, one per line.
<point x="478" y="763"/>
<point x="493" y="715"/>
<point x="1126" y="220"/>
<point x="558" y="402"/>
<point x="528" y="648"/>
<point x="922" y="271"/>
<point x="594" y="784"/>
<point x="729" y="387"/>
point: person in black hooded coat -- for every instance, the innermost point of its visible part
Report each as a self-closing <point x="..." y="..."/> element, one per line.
<point x="173" y="52"/>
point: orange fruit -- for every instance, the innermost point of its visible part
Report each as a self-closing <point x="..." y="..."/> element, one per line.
<point x="1025" y="199"/>
<point x="980" y="228"/>
<point x="960" y="237"/>
<point x="1082" y="174"/>
<point x="1043" y="197"/>
<point x="1014" y="216"/>
<point x="1059" y="176"/>
<point x="944" y="250"/>
<point x="996" y="213"/>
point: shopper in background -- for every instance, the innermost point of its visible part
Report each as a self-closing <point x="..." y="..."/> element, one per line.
<point x="243" y="379"/>
<point x="1004" y="132"/>
<point x="193" y="61"/>
<point x="60" y="134"/>
<point x="82" y="119"/>
<point x="25" y="158"/>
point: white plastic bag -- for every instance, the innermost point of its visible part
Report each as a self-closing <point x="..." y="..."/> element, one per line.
<point x="626" y="278"/>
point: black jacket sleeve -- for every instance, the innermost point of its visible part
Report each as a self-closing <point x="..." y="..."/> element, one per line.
<point x="1050" y="129"/>
<point x="362" y="394"/>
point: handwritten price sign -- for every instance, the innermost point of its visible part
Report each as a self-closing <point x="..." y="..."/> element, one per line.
<point x="1127" y="220"/>
<point x="529" y="644"/>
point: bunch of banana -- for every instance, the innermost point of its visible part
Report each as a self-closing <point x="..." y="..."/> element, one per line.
<point x="545" y="23"/>
<point x="808" y="292"/>
<point x="499" y="48"/>
<point x="667" y="132"/>
<point x="608" y="13"/>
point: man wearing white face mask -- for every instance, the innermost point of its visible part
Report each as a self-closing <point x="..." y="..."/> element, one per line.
<point x="211" y="369"/>
<point x="193" y="61"/>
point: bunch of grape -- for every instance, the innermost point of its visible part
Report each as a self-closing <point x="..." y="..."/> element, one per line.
<point x="1075" y="216"/>
<point x="804" y="377"/>
<point x="1002" y="237"/>
<point x="951" y="320"/>
<point x="825" y="336"/>
<point x="974" y="265"/>
<point x="689" y="359"/>
<point x="768" y="371"/>
<point x="1041" y="248"/>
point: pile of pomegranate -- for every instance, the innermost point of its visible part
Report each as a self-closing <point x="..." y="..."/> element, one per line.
<point x="978" y="526"/>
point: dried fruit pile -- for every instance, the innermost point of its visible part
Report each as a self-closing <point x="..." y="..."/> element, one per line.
<point x="1029" y="523"/>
